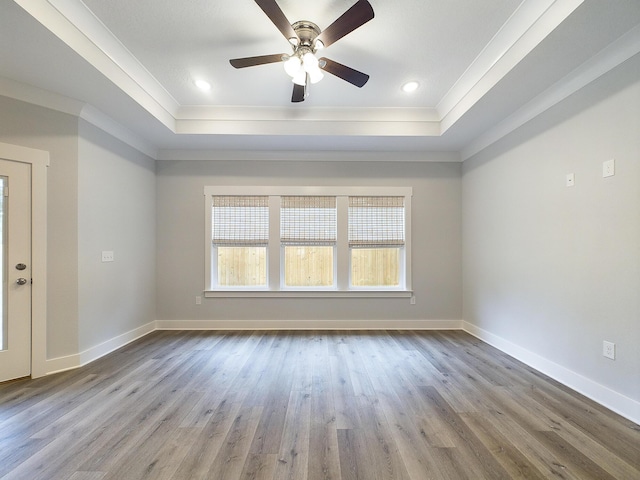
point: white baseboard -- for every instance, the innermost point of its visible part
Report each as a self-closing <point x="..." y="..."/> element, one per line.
<point x="309" y="324"/>
<point x="60" y="364"/>
<point x="612" y="400"/>
<point x="625" y="406"/>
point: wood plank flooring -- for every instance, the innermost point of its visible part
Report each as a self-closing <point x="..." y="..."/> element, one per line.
<point x="391" y="405"/>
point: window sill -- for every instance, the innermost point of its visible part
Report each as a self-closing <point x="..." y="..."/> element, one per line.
<point x="308" y="294"/>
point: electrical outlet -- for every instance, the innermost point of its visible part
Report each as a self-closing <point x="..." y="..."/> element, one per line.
<point x="198" y="300"/>
<point x="412" y="301"/>
<point x="609" y="350"/>
<point x="107" y="256"/>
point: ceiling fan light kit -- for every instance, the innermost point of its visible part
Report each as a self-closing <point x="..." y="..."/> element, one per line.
<point x="306" y="38"/>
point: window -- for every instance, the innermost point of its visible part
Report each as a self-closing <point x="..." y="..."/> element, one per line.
<point x="240" y="235"/>
<point x="308" y="237"/>
<point x="376" y="241"/>
<point x="291" y="241"/>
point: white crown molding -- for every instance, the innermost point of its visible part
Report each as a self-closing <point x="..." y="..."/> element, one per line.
<point x="327" y="114"/>
<point x="312" y="127"/>
<point x="37" y="96"/>
<point x="73" y="23"/>
<point x="230" y="120"/>
<point x="79" y="28"/>
<point x="60" y="103"/>
<point x="530" y="24"/>
<point x="612" y="56"/>
<point x="308" y="156"/>
<point x="107" y="124"/>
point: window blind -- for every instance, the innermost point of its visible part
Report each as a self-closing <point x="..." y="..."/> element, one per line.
<point x="240" y="220"/>
<point x="308" y="220"/>
<point x="376" y="222"/>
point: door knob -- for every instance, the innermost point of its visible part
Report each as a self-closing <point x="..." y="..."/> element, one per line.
<point x="21" y="281"/>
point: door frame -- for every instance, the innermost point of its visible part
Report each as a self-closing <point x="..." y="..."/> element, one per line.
<point x="39" y="161"/>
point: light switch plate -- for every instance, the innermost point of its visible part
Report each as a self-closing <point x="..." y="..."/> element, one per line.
<point x="107" y="256"/>
<point x="571" y="179"/>
<point x="609" y="168"/>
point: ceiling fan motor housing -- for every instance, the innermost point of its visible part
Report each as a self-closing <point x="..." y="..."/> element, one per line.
<point x="307" y="33"/>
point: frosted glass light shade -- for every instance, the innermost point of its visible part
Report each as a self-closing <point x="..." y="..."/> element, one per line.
<point x="300" y="78"/>
<point x="311" y="66"/>
<point x="292" y="66"/>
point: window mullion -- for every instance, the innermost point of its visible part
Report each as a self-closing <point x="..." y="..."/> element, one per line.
<point x="209" y="266"/>
<point x="273" y="254"/>
<point x="342" y="243"/>
<point x="407" y="243"/>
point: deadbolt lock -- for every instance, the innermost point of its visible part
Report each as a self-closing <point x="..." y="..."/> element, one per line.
<point x="21" y="266"/>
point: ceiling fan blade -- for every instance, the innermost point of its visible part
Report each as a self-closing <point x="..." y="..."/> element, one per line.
<point x="275" y="14"/>
<point x="342" y="71"/>
<point x="359" y="14"/>
<point x="253" y="61"/>
<point x="299" y="93"/>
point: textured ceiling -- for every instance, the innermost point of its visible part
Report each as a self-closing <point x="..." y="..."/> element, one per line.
<point x="478" y="63"/>
<point x="432" y="42"/>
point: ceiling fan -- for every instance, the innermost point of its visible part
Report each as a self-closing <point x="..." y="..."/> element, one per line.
<point x="307" y="39"/>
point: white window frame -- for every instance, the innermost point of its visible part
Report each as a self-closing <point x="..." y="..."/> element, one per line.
<point x="275" y="282"/>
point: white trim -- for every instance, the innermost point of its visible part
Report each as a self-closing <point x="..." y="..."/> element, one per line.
<point x="59" y="103"/>
<point x="290" y="325"/>
<point x="115" y="343"/>
<point x="309" y="156"/>
<point x="307" y="190"/>
<point x="74" y="24"/>
<point x="308" y="293"/>
<point x="625" y="406"/>
<point x="39" y="160"/>
<point x="70" y="362"/>
<point x="316" y="113"/>
<point x="292" y="126"/>
<point x="612" y="56"/>
<point x="77" y="26"/>
<point x="610" y="399"/>
<point x="529" y="25"/>
<point x="275" y="283"/>
<point x="37" y="96"/>
<point x="105" y="123"/>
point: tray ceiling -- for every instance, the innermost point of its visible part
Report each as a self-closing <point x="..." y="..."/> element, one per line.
<point x="135" y="63"/>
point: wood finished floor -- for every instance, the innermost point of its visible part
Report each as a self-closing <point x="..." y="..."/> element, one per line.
<point x="308" y="405"/>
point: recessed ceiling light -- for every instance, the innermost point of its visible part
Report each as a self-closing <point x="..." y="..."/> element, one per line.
<point x="410" y="87"/>
<point x="203" y="85"/>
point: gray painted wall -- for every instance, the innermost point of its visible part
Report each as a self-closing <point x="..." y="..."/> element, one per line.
<point x="436" y="228"/>
<point x="44" y="129"/>
<point x="556" y="270"/>
<point x="116" y="212"/>
<point x="101" y="196"/>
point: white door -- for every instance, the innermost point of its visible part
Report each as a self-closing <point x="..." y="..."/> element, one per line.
<point x="15" y="265"/>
